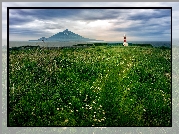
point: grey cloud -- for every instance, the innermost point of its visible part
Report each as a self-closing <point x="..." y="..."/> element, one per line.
<point x="157" y="13"/>
<point x="23" y="31"/>
<point x="72" y="14"/>
<point x="99" y="14"/>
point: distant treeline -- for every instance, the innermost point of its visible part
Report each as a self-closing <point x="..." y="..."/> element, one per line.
<point x="94" y="44"/>
<point x="112" y="44"/>
<point x="24" y="47"/>
<point x="143" y="45"/>
<point x="84" y="45"/>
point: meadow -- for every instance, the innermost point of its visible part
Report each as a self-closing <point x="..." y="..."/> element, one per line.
<point x="92" y="86"/>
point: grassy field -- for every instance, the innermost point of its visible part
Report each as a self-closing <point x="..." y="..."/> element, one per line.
<point x="95" y="86"/>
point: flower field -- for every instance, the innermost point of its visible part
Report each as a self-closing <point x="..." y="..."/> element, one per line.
<point x="92" y="86"/>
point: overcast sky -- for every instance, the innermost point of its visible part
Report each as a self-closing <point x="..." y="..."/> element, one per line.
<point x="101" y="24"/>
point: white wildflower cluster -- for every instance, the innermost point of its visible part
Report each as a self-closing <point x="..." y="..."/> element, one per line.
<point x="121" y="62"/>
<point x="88" y="107"/>
<point x="98" y="115"/>
<point x="129" y="65"/>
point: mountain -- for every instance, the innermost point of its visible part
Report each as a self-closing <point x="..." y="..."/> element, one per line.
<point x="66" y="35"/>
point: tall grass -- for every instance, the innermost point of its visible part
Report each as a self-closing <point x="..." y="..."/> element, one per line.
<point x="95" y="86"/>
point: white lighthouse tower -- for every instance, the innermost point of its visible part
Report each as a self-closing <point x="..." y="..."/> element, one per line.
<point x="125" y="43"/>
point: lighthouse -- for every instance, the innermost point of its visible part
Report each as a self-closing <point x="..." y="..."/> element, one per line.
<point x="125" y="43"/>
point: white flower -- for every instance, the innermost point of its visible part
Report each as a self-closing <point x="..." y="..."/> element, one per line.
<point x="87" y="105"/>
<point x="66" y="120"/>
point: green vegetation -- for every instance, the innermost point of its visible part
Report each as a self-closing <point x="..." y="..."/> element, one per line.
<point x="93" y="86"/>
<point x="142" y="45"/>
<point x="24" y="47"/>
<point x="94" y="44"/>
<point x="114" y="44"/>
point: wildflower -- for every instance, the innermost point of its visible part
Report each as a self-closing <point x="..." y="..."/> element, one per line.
<point x="87" y="105"/>
<point x="95" y="119"/>
<point x="66" y="120"/>
<point x="57" y="108"/>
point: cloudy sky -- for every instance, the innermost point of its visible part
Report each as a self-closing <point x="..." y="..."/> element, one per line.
<point x="102" y="24"/>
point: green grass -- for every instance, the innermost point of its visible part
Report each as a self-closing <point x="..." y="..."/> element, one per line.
<point x="95" y="86"/>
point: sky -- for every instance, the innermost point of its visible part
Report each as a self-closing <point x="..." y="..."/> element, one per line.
<point x="101" y="24"/>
